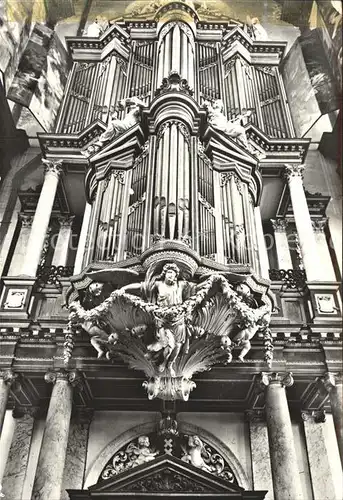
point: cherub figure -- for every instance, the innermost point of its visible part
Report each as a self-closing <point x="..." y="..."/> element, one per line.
<point x="143" y="453"/>
<point x="257" y="318"/>
<point x="116" y="126"/>
<point x="232" y="128"/>
<point x="193" y="454"/>
<point x="102" y="341"/>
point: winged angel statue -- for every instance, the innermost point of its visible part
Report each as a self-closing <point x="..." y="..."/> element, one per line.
<point x="171" y="328"/>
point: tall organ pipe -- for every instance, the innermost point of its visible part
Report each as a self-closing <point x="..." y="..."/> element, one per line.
<point x="172" y="184"/>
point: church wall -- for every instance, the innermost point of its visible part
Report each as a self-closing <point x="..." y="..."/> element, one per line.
<point x="321" y="176"/>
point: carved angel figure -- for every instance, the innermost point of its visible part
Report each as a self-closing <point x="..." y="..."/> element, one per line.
<point x="116" y="126"/>
<point x="255" y="30"/>
<point x="171" y="330"/>
<point x="193" y="454"/>
<point x="232" y="128"/>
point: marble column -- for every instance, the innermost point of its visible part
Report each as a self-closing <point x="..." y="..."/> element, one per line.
<point x="308" y="244"/>
<point x="281" y="243"/>
<point x="42" y="217"/>
<point x="21" y="246"/>
<point x="49" y="474"/>
<point x="15" y="471"/>
<point x="326" y="271"/>
<point x="75" y="463"/>
<point x="285" y="472"/>
<point x="323" y="484"/>
<point x="260" y="456"/>
<point x="7" y="378"/>
<point x="261" y="242"/>
<point x="61" y="252"/>
<point x="81" y="247"/>
<point x="333" y="385"/>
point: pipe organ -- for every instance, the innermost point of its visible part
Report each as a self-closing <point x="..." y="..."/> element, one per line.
<point x="171" y="187"/>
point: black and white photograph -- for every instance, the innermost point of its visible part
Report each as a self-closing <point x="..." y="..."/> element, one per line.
<point x="171" y="250"/>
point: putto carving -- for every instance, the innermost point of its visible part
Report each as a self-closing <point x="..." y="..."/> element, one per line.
<point x="117" y="126"/>
<point x="173" y="82"/>
<point x="168" y="326"/>
<point x="136" y="453"/>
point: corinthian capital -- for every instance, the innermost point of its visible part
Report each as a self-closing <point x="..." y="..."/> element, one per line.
<point x="283" y="379"/>
<point x="292" y="171"/>
<point x="25" y="219"/>
<point x="279" y="225"/>
<point x="330" y="381"/>
<point x="319" y="224"/>
<point x="66" y="221"/>
<point x="53" y="167"/>
<point x="74" y="377"/>
<point x="9" y="377"/>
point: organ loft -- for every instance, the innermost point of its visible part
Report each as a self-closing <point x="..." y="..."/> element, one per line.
<point x="170" y="305"/>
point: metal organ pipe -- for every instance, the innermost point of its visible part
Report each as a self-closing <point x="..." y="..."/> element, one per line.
<point x="172" y="184"/>
<point x="176" y="52"/>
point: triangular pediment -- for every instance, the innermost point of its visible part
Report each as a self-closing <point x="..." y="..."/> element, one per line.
<point x="166" y="476"/>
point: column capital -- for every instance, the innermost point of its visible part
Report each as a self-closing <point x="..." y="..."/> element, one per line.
<point x="74" y="377"/>
<point x="330" y="380"/>
<point x="66" y="221"/>
<point x="255" y="416"/>
<point x="9" y="377"/>
<point x="25" y="219"/>
<point x="317" y="416"/>
<point x="279" y="225"/>
<point x="293" y="171"/>
<point x="319" y="225"/>
<point x="284" y="379"/>
<point x="53" y="167"/>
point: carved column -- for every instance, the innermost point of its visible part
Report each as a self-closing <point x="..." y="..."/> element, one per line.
<point x="333" y="385"/>
<point x="49" y="473"/>
<point x="286" y="479"/>
<point x="281" y="243"/>
<point x="7" y="378"/>
<point x="41" y="218"/>
<point x="260" y="456"/>
<point x="15" y="472"/>
<point x="262" y="249"/>
<point x="322" y="479"/>
<point x="60" y="257"/>
<point x="21" y="246"/>
<point x="308" y="245"/>
<point x="326" y="271"/>
<point x="81" y="247"/>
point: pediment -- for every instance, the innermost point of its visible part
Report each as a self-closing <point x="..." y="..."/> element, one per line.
<point x="218" y="145"/>
<point x="164" y="476"/>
